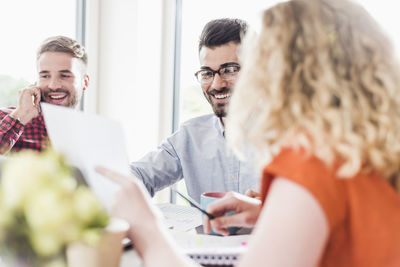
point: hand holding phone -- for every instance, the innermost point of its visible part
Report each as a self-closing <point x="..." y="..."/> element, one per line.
<point x="28" y="104"/>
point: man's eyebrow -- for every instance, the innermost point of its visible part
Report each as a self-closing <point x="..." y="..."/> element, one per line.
<point x="205" y="68"/>
<point x="62" y="71"/>
<point x="229" y="64"/>
<point x="65" y="71"/>
<point x="221" y="66"/>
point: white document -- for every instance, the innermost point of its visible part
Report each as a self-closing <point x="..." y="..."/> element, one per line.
<point x="180" y="218"/>
<point x="87" y="141"/>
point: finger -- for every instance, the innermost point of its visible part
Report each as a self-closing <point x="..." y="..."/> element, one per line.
<point x="222" y="206"/>
<point x="253" y="194"/>
<point x="29" y="88"/>
<point x="218" y="228"/>
<point x="116" y="177"/>
<point x="250" y="193"/>
<point x="206" y="225"/>
<point x="230" y="220"/>
<point x="36" y="96"/>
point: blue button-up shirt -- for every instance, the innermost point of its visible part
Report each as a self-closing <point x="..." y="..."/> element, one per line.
<point x="198" y="153"/>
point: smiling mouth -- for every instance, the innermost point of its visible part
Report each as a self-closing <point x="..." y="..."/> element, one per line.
<point x="222" y="96"/>
<point x="57" y="96"/>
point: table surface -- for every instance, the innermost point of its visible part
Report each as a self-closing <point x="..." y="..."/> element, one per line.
<point x="130" y="258"/>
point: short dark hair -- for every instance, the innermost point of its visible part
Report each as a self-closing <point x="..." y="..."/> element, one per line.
<point x="63" y="44"/>
<point x="222" y="31"/>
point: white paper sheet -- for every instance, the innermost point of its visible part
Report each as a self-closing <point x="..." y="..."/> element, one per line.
<point x="180" y="218"/>
<point x="87" y="141"/>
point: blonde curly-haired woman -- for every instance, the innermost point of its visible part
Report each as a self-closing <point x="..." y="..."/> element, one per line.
<point x="319" y="93"/>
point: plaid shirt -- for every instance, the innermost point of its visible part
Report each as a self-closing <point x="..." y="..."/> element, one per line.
<point x="14" y="136"/>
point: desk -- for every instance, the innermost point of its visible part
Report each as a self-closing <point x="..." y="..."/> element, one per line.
<point x="131" y="259"/>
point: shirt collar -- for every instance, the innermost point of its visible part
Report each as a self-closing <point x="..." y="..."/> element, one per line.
<point x="220" y="127"/>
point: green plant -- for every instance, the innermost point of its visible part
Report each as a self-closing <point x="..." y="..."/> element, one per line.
<point x="43" y="209"/>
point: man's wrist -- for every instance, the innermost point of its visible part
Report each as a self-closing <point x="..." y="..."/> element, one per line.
<point x="16" y="117"/>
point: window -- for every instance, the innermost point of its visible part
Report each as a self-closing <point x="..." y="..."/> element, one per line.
<point x="25" y="24"/>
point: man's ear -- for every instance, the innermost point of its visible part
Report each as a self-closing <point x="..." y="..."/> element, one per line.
<point x="85" y="82"/>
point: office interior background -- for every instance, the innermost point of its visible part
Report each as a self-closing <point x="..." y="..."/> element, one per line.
<point x="142" y="55"/>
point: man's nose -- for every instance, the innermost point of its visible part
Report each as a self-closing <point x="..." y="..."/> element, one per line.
<point x="218" y="83"/>
<point x="55" y="83"/>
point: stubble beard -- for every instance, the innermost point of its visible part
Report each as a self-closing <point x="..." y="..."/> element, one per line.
<point x="219" y="109"/>
<point x="72" y="98"/>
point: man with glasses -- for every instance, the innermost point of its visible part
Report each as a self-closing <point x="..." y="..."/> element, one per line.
<point x="227" y="73"/>
<point x="197" y="152"/>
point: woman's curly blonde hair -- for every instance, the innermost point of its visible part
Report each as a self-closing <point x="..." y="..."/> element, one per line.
<point x="323" y="76"/>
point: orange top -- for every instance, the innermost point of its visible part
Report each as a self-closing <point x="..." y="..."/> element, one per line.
<point x="363" y="212"/>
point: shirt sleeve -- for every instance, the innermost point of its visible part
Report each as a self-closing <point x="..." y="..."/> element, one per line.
<point x="10" y="131"/>
<point x="158" y="169"/>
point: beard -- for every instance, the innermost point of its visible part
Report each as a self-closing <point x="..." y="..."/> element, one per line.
<point x="72" y="98"/>
<point x="218" y="108"/>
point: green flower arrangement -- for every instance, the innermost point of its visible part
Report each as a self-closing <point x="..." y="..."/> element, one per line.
<point x="43" y="209"/>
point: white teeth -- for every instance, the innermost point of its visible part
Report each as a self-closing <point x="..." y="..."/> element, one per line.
<point x="57" y="96"/>
<point x="222" y="96"/>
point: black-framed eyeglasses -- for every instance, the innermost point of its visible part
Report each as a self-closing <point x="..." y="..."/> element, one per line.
<point x="227" y="72"/>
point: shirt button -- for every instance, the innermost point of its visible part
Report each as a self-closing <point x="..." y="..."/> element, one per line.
<point x="234" y="178"/>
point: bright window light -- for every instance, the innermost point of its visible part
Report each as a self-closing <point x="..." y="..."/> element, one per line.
<point x="25" y="24"/>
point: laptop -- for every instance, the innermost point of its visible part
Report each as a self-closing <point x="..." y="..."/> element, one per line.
<point x="87" y="141"/>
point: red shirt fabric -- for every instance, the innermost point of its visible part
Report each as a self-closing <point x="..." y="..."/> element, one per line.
<point x="363" y="211"/>
<point x="14" y="136"/>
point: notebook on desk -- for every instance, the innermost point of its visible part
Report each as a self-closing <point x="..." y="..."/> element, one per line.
<point x="180" y="218"/>
<point x="211" y="249"/>
<point x="87" y="141"/>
